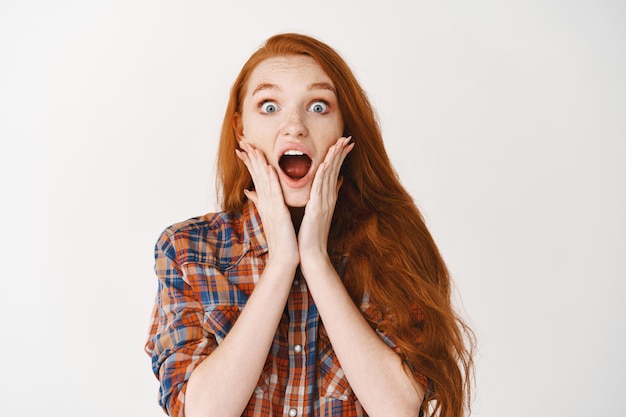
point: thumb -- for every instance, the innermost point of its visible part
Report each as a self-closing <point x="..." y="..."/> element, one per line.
<point x="252" y="195"/>
<point x="339" y="183"/>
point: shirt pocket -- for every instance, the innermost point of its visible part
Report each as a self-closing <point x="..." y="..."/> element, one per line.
<point x="333" y="381"/>
<point x="222" y="299"/>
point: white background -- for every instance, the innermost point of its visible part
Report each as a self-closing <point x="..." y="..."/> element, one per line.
<point x="505" y="120"/>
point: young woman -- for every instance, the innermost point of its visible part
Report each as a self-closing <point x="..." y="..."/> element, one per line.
<point x="317" y="290"/>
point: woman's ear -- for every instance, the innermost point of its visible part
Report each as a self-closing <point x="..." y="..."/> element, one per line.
<point x="238" y="124"/>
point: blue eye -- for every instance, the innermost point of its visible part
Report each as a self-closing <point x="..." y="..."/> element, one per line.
<point x="268" y="107"/>
<point x="319" y="107"/>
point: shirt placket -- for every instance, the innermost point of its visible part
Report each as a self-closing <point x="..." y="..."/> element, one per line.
<point x="297" y="398"/>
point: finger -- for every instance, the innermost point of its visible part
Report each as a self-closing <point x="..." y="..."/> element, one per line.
<point x="252" y="195"/>
<point x="265" y="177"/>
<point x="335" y="157"/>
<point x="343" y="149"/>
<point x="328" y="170"/>
<point x="256" y="163"/>
<point x="247" y="159"/>
<point x="252" y="157"/>
<point x="242" y="155"/>
<point x="273" y="183"/>
<point x="318" y="180"/>
<point x="338" y="152"/>
<point x="341" y="159"/>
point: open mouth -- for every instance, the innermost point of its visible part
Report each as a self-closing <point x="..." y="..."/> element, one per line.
<point x="295" y="164"/>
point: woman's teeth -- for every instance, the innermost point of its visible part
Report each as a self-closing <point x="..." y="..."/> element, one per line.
<point x="293" y="153"/>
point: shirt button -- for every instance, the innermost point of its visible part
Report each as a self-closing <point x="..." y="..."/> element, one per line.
<point x="296" y="282"/>
<point x="293" y="412"/>
<point x="297" y="349"/>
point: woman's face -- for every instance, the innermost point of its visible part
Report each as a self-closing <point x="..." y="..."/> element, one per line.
<point x="290" y="112"/>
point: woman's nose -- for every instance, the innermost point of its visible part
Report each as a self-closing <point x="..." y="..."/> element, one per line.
<point x="295" y="125"/>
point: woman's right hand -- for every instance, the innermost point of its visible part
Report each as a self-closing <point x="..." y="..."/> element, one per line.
<point x="268" y="198"/>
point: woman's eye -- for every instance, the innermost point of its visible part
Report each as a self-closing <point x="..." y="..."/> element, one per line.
<point x="319" y="107"/>
<point x="268" y="107"/>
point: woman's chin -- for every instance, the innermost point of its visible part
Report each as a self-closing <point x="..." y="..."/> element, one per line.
<point x="297" y="198"/>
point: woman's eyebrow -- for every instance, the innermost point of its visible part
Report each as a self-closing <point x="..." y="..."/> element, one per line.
<point x="314" y="86"/>
<point x="322" y="86"/>
<point x="265" y="86"/>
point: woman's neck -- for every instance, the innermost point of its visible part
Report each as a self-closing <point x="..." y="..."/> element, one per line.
<point x="297" y="213"/>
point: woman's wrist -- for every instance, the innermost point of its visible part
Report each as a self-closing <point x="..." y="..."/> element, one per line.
<point x="314" y="264"/>
<point x="281" y="266"/>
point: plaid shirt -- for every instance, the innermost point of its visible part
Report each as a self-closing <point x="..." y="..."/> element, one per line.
<point x="207" y="268"/>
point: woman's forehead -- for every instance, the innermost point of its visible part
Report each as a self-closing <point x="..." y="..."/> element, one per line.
<point x="274" y="71"/>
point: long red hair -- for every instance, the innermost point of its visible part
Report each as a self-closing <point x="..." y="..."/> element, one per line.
<point x="392" y="254"/>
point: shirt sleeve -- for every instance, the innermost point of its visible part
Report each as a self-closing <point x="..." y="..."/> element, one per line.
<point x="177" y="343"/>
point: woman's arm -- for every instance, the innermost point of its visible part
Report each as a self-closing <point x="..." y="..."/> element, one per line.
<point x="223" y="383"/>
<point x="375" y="372"/>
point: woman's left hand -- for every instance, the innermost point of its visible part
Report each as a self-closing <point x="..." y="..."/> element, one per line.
<point x="318" y="214"/>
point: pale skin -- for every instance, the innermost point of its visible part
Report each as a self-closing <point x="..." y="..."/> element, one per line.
<point x="296" y="219"/>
